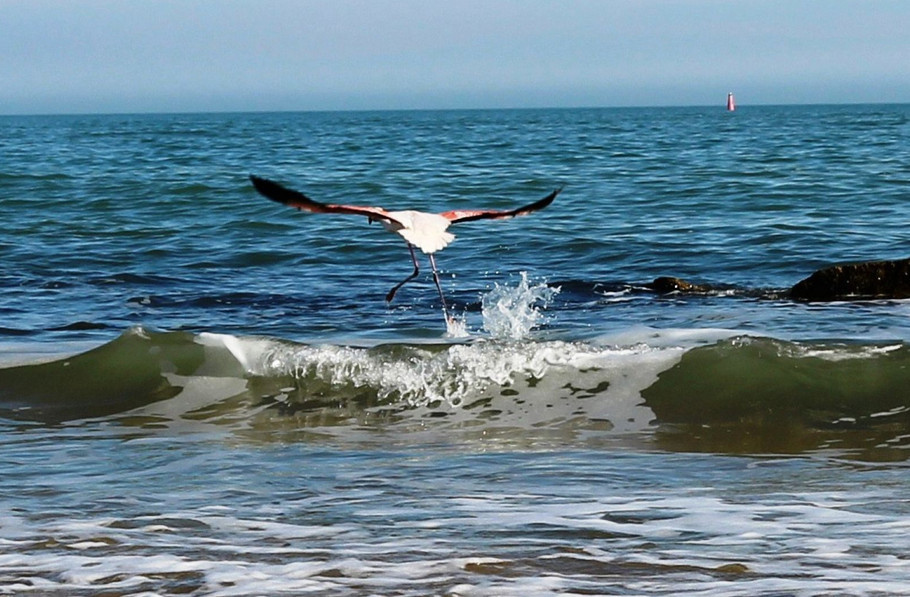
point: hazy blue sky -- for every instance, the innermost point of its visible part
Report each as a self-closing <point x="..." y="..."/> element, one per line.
<point x="64" y="56"/>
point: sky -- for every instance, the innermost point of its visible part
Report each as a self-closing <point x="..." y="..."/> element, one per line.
<point x="102" y="56"/>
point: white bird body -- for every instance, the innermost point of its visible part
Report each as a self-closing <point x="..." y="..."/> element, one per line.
<point x="426" y="231"/>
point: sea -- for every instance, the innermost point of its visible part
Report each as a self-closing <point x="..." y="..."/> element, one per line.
<point x="203" y="392"/>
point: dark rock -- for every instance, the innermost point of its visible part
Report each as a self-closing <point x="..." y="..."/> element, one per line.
<point x="667" y="284"/>
<point x="867" y="280"/>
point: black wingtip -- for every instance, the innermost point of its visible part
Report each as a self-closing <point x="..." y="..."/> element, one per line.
<point x="257" y="181"/>
<point x="260" y="183"/>
<point x="542" y="203"/>
<point x="272" y="190"/>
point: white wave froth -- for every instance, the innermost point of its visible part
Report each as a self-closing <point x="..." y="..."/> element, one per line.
<point x="421" y="375"/>
<point x="520" y="385"/>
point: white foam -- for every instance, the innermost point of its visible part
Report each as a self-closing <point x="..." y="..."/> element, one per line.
<point x="244" y="350"/>
<point x="845" y="352"/>
<point x="500" y="525"/>
<point x="668" y="337"/>
<point x="14" y="354"/>
<point x="494" y="389"/>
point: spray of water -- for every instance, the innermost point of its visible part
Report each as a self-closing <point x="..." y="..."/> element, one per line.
<point x="511" y="312"/>
<point x="457" y="327"/>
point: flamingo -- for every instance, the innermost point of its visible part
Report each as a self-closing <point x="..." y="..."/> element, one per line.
<point x="426" y="231"/>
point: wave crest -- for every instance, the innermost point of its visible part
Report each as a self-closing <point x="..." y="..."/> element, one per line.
<point x="686" y="390"/>
<point x="423" y="374"/>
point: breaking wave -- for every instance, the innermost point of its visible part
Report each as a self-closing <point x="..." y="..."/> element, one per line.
<point x="683" y="389"/>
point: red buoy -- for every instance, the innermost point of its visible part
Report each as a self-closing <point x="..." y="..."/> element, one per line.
<point x="731" y="105"/>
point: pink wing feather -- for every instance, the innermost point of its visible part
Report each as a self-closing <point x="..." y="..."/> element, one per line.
<point x="286" y="196"/>
<point x="468" y="215"/>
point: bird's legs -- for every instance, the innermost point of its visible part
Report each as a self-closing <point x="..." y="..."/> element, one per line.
<point x="445" y="309"/>
<point x="391" y="294"/>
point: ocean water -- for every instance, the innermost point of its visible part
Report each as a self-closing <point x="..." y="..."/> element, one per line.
<point x="203" y="392"/>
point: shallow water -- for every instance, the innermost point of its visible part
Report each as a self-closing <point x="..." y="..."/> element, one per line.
<point x="203" y="392"/>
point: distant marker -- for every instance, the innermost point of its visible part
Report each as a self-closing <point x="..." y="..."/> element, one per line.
<point x="731" y="105"/>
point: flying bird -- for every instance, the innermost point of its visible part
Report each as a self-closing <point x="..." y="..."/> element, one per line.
<point x="426" y="231"/>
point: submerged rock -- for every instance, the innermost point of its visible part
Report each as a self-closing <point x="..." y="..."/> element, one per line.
<point x="668" y="284"/>
<point x="867" y="280"/>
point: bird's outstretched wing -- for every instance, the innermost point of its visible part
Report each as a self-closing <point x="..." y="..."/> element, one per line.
<point x="286" y="196"/>
<point x="468" y="215"/>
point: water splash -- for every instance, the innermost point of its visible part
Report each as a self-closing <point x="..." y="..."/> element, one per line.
<point x="510" y="313"/>
<point x="457" y="327"/>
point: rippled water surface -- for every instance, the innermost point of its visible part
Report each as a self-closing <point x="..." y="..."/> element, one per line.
<point x="204" y="392"/>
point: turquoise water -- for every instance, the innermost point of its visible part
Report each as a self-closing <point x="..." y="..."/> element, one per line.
<point x="204" y="392"/>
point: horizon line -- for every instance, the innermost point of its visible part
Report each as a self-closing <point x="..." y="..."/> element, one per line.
<point x="720" y="106"/>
